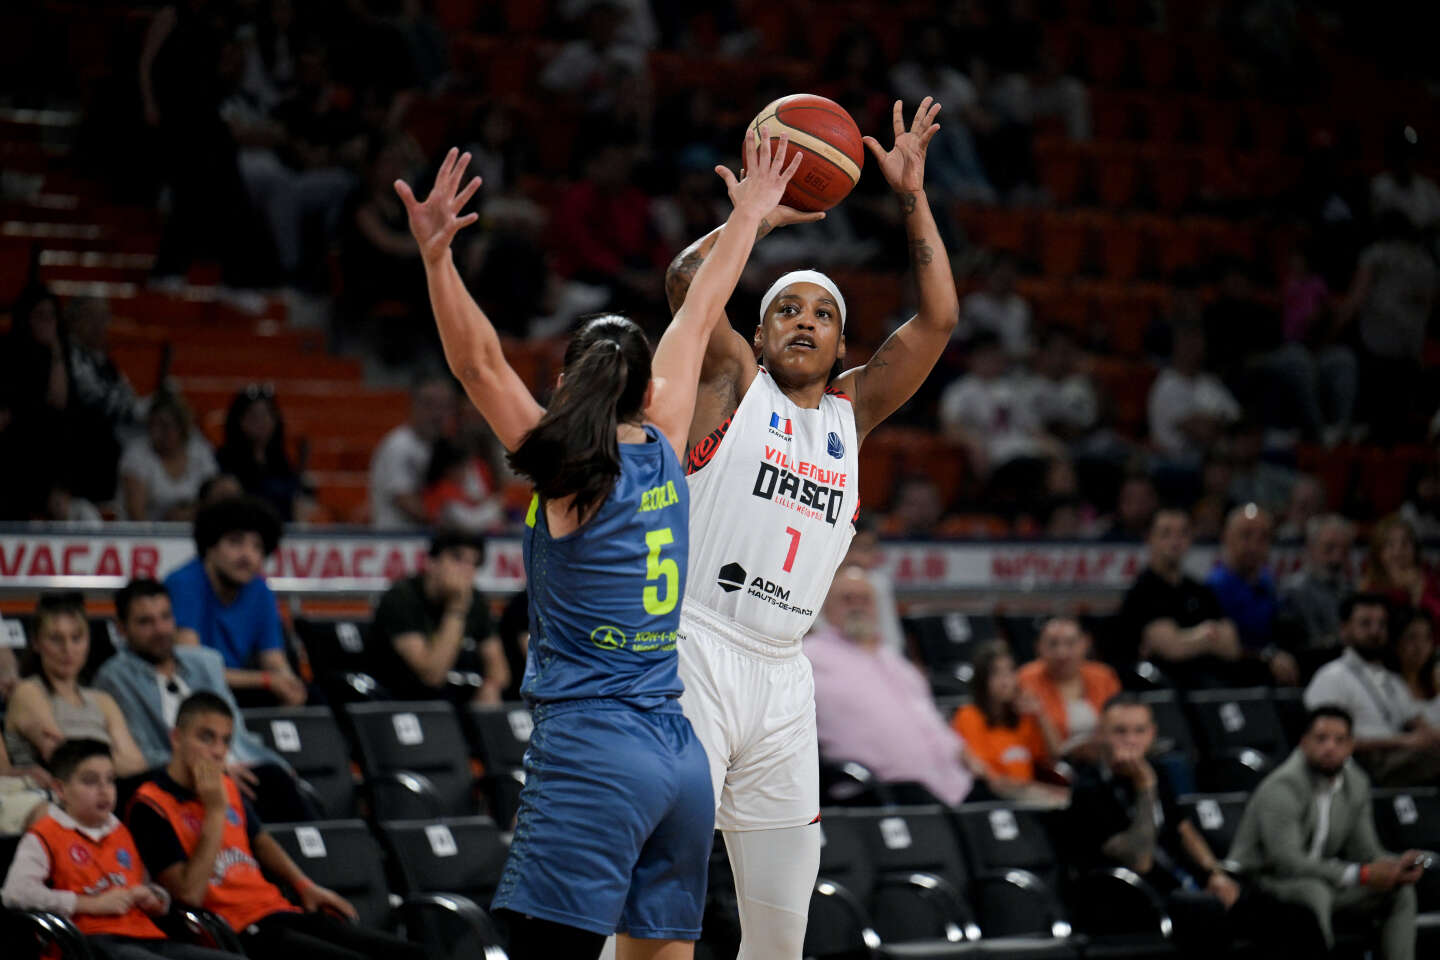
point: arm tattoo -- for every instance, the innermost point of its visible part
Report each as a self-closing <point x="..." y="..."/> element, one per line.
<point x="879" y="360"/>
<point x="763" y="229"/>
<point x="907" y="203"/>
<point x="1135" y="846"/>
<point x="678" y="277"/>
<point x="920" y="251"/>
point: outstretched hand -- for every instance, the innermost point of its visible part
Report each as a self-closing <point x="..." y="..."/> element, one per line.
<point x="766" y="175"/>
<point x="435" y="222"/>
<point x="904" y="164"/>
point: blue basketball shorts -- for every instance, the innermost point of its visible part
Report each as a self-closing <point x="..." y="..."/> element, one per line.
<point x="616" y="822"/>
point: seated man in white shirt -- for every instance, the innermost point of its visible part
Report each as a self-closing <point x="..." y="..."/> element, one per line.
<point x="993" y="413"/>
<point x="1189" y="407"/>
<point x="1392" y="739"/>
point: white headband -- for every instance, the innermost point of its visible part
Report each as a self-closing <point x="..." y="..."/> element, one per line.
<point x="803" y="276"/>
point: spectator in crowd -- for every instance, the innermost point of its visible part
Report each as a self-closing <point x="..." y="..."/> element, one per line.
<point x="956" y="169"/>
<point x="997" y="308"/>
<point x="205" y="844"/>
<point x="103" y="405"/>
<point x="461" y="491"/>
<point x="61" y="506"/>
<point x="1065" y="397"/>
<point x="99" y="884"/>
<point x="1123" y="814"/>
<point x="161" y="472"/>
<point x="9" y="667"/>
<point x="1308" y="837"/>
<point x="1392" y="739"/>
<point x="1422" y="506"/>
<point x="1189" y="407"/>
<point x="1307" y="501"/>
<point x="1402" y="189"/>
<point x="992" y="414"/>
<point x="24" y="792"/>
<point x="872" y="706"/>
<point x="1135" y="509"/>
<point x="150" y="675"/>
<point x="52" y="706"/>
<point x="917" y="508"/>
<point x="1390" y="302"/>
<point x="181" y="93"/>
<point x="513" y="629"/>
<point x="435" y="624"/>
<point x="384" y="282"/>
<point x="1170" y="618"/>
<point x="1415" y="656"/>
<point x="1310" y="326"/>
<point x="222" y="486"/>
<point x="597" y="69"/>
<point x="34" y="393"/>
<point x="1007" y="730"/>
<point x="221" y="601"/>
<point x="254" y="451"/>
<point x="603" y="231"/>
<point x="1312" y="594"/>
<point x="1393" y="567"/>
<point x="1246" y="590"/>
<point x="866" y="554"/>
<point x="397" y="471"/>
<point x="1207" y="514"/>
<point x="1071" y="689"/>
<point x="1252" y="478"/>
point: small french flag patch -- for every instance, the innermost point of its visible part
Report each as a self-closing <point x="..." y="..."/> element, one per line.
<point x="782" y="424"/>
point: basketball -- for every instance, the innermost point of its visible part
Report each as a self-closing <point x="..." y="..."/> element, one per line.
<point x="829" y="139"/>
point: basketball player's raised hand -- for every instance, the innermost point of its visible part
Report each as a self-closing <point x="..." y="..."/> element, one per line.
<point x="435" y="222"/>
<point x="766" y="175"/>
<point x="904" y="164"/>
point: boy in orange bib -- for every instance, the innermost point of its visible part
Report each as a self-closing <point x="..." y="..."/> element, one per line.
<point x="80" y="862"/>
<point x="205" y="845"/>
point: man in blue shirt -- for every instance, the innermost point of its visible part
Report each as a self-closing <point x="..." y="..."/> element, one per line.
<point x="221" y="600"/>
<point x="1246" y="590"/>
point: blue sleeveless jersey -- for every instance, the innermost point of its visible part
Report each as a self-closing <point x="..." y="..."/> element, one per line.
<point x="605" y="600"/>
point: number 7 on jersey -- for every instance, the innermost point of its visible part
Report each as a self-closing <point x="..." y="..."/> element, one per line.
<point x="794" y="545"/>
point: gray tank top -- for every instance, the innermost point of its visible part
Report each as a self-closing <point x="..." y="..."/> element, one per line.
<point x="85" y="722"/>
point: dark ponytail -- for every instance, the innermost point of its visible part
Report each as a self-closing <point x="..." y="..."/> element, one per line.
<point x="573" y="450"/>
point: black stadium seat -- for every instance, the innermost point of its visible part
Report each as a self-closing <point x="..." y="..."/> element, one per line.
<point x="1238" y="719"/>
<point x="1015" y="871"/>
<point x="341" y="855"/>
<point x="501" y="736"/>
<point x="1409" y="819"/>
<point x="1217" y="817"/>
<point x="453" y="855"/>
<point x="1174" y="755"/>
<point x="336" y="650"/>
<point x="414" y="757"/>
<point x="310" y="741"/>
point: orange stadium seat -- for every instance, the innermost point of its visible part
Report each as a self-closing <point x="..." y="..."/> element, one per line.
<point x="1119" y="245"/>
<point x="1156" y="55"/>
<point x="1106" y="52"/>
<point x="1116" y="174"/>
<point x="1062" y="168"/>
<point x="1063" y="238"/>
<point x="999" y="228"/>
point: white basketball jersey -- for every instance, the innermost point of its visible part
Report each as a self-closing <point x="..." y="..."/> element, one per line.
<point x="773" y="499"/>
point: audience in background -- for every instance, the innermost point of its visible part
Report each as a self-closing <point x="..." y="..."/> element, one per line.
<point x="52" y="706"/>
<point x="996" y="308"/>
<point x="431" y="637"/>
<point x="254" y="452"/>
<point x="103" y="405"/>
<point x="1246" y="590"/>
<point x="151" y="675"/>
<point x="872" y="706"/>
<point x="34" y="395"/>
<point x="203" y="842"/>
<point x="1123" y="814"/>
<point x="1307" y="501"/>
<point x="1393" y="567"/>
<point x="461" y="486"/>
<point x="1189" y="407"/>
<point x="161" y="471"/>
<point x="397" y="471"/>
<point x="1417" y="662"/>
<point x="99" y="883"/>
<point x="1173" y="620"/>
<point x="1313" y="593"/>
<point x="1070" y="689"/>
<point x="1392" y="739"/>
<point x="1007" y="730"/>
<point x="24" y="792"/>
<point x="221" y="601"/>
<point x="1308" y="838"/>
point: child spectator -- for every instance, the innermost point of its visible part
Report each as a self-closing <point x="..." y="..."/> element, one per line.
<point x="1007" y="730"/>
<point x="79" y="861"/>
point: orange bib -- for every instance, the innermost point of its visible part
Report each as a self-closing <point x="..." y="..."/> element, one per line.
<point x="237" y="891"/>
<point x="83" y="866"/>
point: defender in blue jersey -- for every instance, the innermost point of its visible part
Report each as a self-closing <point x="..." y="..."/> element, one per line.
<point x="616" y="817"/>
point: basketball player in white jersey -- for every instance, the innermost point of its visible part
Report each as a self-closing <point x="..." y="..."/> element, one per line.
<point x="773" y="471"/>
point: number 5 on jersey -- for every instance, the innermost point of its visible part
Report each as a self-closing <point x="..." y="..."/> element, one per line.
<point x="656" y="569"/>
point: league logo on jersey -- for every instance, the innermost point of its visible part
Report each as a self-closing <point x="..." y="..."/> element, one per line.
<point x="732" y="577"/>
<point x="79" y="855"/>
<point x="782" y="426"/>
<point x="834" y="445"/>
<point x="122" y="856"/>
<point x="608" y="637"/>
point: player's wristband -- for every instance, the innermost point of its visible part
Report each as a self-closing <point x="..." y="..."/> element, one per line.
<point x="265" y="679"/>
<point x="1364" y="876"/>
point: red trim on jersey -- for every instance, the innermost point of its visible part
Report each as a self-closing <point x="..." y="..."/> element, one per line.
<point x="837" y="392"/>
<point x="816" y="820"/>
<point x="703" y="450"/>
